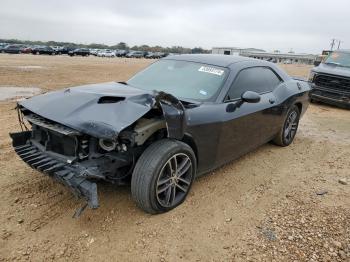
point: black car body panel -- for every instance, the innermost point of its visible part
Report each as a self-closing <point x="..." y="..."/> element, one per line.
<point x="331" y="84"/>
<point x="43" y="50"/>
<point x="218" y="131"/>
<point x="79" y="52"/>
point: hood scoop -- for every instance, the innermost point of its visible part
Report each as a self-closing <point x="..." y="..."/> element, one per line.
<point x="110" y="99"/>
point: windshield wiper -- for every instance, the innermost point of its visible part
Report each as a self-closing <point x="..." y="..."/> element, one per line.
<point x="332" y="63"/>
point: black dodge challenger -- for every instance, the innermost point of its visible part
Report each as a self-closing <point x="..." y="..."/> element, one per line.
<point x="181" y="117"/>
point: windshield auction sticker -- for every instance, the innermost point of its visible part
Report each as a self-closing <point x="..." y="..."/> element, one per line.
<point x="211" y="70"/>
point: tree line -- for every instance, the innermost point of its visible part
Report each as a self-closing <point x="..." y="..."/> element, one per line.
<point x="120" y="45"/>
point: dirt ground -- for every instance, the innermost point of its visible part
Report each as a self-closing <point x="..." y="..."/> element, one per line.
<point x="274" y="204"/>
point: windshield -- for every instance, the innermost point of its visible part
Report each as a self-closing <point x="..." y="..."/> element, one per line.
<point x="338" y="58"/>
<point x="182" y="79"/>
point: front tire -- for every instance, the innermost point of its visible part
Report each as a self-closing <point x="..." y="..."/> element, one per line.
<point x="289" y="129"/>
<point x="163" y="176"/>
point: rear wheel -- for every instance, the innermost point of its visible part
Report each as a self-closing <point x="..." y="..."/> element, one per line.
<point x="289" y="129"/>
<point x="163" y="176"/>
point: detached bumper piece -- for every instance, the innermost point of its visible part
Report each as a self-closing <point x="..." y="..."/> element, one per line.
<point x="59" y="170"/>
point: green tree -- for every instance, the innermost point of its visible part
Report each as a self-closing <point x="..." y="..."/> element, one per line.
<point x="121" y="45"/>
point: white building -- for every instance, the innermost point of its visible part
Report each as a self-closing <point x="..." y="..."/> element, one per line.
<point x="233" y="50"/>
<point x="276" y="57"/>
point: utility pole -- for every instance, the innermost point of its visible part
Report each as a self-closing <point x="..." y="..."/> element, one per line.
<point x="332" y="44"/>
<point x="339" y="43"/>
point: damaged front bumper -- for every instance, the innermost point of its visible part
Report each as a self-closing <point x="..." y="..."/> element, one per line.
<point x="66" y="145"/>
<point x="69" y="175"/>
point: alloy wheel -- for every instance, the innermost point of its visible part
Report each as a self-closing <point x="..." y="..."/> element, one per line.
<point x="174" y="180"/>
<point x="291" y="126"/>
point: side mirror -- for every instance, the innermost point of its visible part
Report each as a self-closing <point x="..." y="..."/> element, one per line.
<point x="250" y="97"/>
<point x="317" y="63"/>
<point x="246" y="97"/>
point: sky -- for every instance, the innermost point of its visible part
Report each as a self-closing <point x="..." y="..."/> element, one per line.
<point x="305" y="26"/>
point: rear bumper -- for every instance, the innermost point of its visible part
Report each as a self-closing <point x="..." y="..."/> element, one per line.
<point x="62" y="171"/>
<point x="330" y="97"/>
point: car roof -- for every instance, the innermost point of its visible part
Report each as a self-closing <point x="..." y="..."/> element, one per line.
<point x="217" y="60"/>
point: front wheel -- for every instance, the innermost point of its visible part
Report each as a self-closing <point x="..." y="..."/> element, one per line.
<point x="163" y="176"/>
<point x="289" y="129"/>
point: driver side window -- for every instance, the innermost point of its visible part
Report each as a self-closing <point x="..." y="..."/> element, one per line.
<point x="257" y="79"/>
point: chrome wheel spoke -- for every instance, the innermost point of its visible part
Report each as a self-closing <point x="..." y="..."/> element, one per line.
<point x="174" y="164"/>
<point x="163" y="189"/>
<point x="173" y="195"/>
<point x="184" y="169"/>
<point x="183" y="163"/>
<point x="182" y="188"/>
<point x="168" y="195"/>
<point x="170" y="166"/>
<point x="163" y="181"/>
<point x="184" y="181"/>
<point x="293" y="117"/>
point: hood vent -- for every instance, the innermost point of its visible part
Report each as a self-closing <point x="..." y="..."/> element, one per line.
<point x="110" y="99"/>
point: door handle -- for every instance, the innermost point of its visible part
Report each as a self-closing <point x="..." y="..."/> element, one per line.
<point x="272" y="100"/>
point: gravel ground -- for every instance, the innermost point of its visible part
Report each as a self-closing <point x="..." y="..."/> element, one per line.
<point x="273" y="204"/>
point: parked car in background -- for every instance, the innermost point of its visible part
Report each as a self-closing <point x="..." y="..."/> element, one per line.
<point x="79" y="52"/>
<point x="149" y="55"/>
<point x="27" y="50"/>
<point x="13" y="49"/>
<point x="95" y="51"/>
<point x="159" y="55"/>
<point x="135" y="54"/>
<point x="330" y="79"/>
<point x="122" y="53"/>
<point x="106" y="53"/>
<point x="43" y="50"/>
<point x="2" y="46"/>
<point x="179" y="118"/>
<point x="62" y="50"/>
<point x="155" y="55"/>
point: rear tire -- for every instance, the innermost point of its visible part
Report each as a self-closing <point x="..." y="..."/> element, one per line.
<point x="163" y="176"/>
<point x="289" y="129"/>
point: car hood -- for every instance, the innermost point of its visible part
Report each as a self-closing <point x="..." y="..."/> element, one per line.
<point x="332" y="70"/>
<point x="102" y="110"/>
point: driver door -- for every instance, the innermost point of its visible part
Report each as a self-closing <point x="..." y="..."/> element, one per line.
<point x="251" y="124"/>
